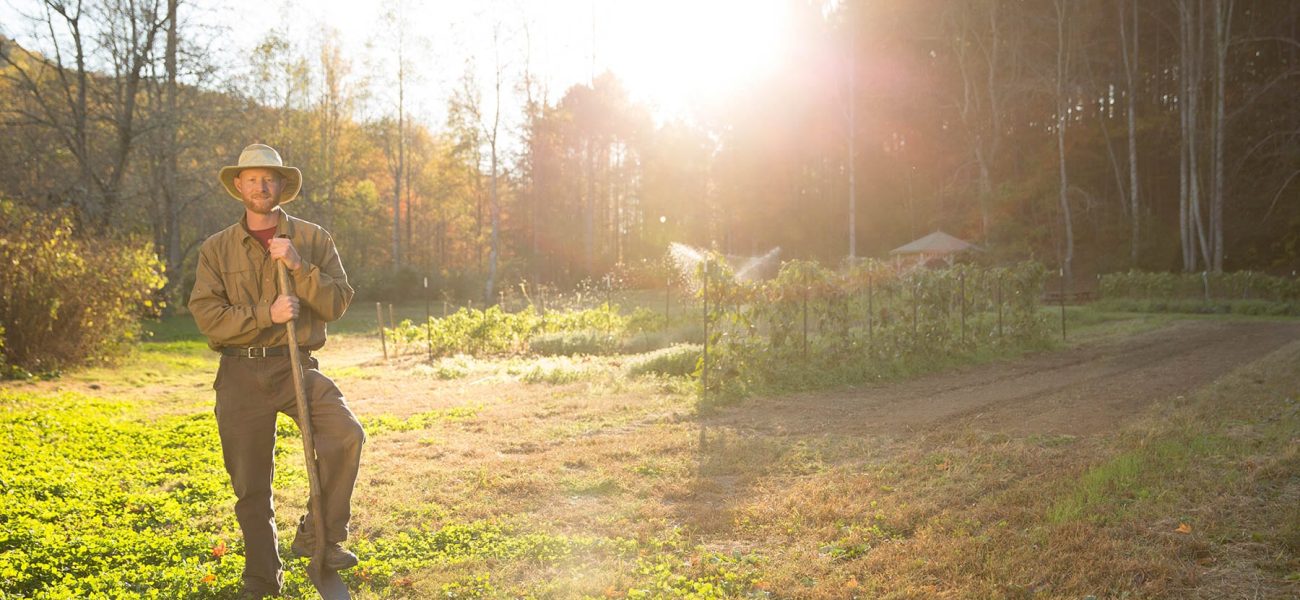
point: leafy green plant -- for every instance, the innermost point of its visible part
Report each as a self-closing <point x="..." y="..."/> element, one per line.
<point x="811" y="327"/>
<point x="494" y="331"/>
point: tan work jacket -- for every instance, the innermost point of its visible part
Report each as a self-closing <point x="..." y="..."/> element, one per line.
<point x="236" y="284"/>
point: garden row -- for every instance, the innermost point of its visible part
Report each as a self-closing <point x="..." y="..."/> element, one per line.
<point x="1244" y="292"/>
<point x="495" y="332"/>
<point x="812" y="327"/>
<point x="809" y="326"/>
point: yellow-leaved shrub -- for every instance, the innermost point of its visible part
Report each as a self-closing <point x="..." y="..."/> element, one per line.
<point x="68" y="299"/>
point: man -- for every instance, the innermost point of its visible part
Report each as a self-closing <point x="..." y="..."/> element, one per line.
<point x="238" y="307"/>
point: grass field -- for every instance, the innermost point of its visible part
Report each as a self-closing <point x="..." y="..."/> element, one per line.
<point x="567" y="477"/>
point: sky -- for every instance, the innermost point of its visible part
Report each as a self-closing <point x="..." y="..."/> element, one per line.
<point x="672" y="55"/>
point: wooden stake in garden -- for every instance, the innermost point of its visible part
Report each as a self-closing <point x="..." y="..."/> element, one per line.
<point x="428" y="323"/>
<point x="392" y="324"/>
<point x="379" y="318"/>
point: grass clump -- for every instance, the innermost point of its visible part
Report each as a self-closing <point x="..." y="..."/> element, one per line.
<point x="647" y="341"/>
<point x="676" y="361"/>
<point x="573" y="343"/>
<point x="454" y="367"/>
<point x="557" y="371"/>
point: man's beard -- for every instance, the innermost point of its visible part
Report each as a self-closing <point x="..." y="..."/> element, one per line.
<point x="262" y="206"/>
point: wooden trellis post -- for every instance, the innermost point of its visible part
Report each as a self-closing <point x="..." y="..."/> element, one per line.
<point x="379" y="318"/>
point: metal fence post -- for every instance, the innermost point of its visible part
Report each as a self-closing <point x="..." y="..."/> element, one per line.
<point x="805" y="314"/>
<point x="999" y="306"/>
<point x="914" y="305"/>
<point x="704" y="370"/>
<point x="428" y="321"/>
<point x="962" y="299"/>
<point x="871" y="308"/>
<point x="1062" y="316"/>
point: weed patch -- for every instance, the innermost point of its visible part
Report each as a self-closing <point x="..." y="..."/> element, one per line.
<point x="98" y="503"/>
<point x="556" y="371"/>
<point x="677" y="361"/>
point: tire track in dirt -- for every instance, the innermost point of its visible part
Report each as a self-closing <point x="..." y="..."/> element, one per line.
<point x="1078" y="391"/>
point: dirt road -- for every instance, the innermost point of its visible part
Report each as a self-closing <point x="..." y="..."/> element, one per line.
<point x="1078" y="391"/>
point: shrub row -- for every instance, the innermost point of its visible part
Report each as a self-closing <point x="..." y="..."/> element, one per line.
<point x="67" y="299"/>
<point x="1206" y="287"/>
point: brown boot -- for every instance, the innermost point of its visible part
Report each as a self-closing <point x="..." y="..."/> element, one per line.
<point x="304" y="545"/>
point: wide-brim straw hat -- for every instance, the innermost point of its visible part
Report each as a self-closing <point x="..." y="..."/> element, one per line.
<point x="263" y="157"/>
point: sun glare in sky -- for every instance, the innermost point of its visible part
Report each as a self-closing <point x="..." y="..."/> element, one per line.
<point x="677" y="54"/>
<point x="673" y="55"/>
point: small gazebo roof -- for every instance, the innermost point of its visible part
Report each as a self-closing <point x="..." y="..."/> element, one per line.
<point x="935" y="243"/>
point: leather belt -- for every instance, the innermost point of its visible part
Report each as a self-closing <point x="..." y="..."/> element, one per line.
<point x="260" y="351"/>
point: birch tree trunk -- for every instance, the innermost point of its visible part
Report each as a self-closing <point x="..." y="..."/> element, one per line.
<point x="589" y="209"/>
<point x="401" y="145"/>
<point x="1194" y="77"/>
<point x="1189" y="174"/>
<point x="1130" y="93"/>
<point x="401" y="168"/>
<point x="1062" y="108"/>
<point x="1222" y="39"/>
<point x="170" y="192"/>
<point x="853" y="141"/>
<point x="495" y="208"/>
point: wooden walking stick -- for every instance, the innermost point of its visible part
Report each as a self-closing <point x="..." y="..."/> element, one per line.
<point x="327" y="582"/>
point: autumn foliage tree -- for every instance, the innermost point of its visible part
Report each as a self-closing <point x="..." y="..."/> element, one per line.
<point x="1158" y="135"/>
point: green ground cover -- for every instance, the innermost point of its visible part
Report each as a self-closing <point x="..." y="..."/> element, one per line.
<point x="103" y="502"/>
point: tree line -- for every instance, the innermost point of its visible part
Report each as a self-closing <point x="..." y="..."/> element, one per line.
<point x="1091" y="136"/>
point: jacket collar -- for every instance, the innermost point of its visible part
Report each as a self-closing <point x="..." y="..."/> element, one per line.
<point x="284" y="228"/>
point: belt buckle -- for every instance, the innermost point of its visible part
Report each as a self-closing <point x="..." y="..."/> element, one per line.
<point x="256" y="352"/>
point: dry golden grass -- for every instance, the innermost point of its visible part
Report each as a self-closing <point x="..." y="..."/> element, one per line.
<point x="948" y="510"/>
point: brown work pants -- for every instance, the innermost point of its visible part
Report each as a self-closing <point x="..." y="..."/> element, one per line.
<point x="250" y="391"/>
